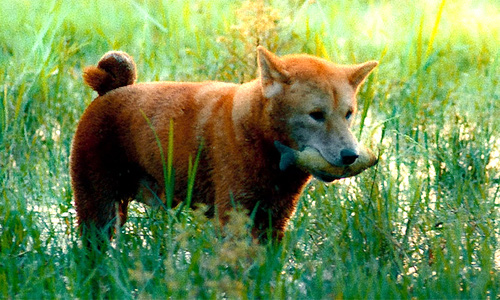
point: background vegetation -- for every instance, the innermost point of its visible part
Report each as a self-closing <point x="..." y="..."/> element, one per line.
<point x="423" y="224"/>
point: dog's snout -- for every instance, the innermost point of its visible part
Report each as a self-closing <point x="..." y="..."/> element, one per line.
<point x="348" y="156"/>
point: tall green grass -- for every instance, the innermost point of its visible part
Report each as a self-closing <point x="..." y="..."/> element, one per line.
<point x="423" y="223"/>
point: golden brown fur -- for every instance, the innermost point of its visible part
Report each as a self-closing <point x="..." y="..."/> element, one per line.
<point x="299" y="100"/>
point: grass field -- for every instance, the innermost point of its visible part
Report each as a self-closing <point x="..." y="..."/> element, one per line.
<point x="423" y="224"/>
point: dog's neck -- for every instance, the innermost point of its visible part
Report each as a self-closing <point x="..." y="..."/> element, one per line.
<point x="248" y="113"/>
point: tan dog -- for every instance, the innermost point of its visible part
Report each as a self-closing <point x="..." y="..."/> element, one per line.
<point x="299" y="101"/>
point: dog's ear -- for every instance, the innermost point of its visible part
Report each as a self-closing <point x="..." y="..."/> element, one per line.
<point x="358" y="73"/>
<point x="272" y="72"/>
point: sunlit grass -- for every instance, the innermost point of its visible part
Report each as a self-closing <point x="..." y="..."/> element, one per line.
<point x="424" y="223"/>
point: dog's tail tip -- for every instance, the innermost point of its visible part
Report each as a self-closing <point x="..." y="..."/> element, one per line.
<point x="115" y="69"/>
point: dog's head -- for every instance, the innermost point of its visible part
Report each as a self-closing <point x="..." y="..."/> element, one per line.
<point x="311" y="103"/>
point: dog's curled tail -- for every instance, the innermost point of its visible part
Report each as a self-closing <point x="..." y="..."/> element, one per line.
<point x="115" y="69"/>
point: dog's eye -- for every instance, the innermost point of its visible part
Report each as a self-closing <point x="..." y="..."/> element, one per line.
<point x="318" y="116"/>
<point x="348" y="115"/>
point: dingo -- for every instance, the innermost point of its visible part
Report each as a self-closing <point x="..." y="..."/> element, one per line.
<point x="261" y="140"/>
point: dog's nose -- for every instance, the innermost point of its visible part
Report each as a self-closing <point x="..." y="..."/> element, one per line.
<point x="348" y="156"/>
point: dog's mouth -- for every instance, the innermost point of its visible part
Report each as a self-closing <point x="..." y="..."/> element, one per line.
<point x="311" y="160"/>
<point x="331" y="173"/>
<point x="326" y="177"/>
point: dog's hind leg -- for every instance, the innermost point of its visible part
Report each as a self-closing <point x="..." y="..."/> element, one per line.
<point x="101" y="197"/>
<point x="103" y="182"/>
